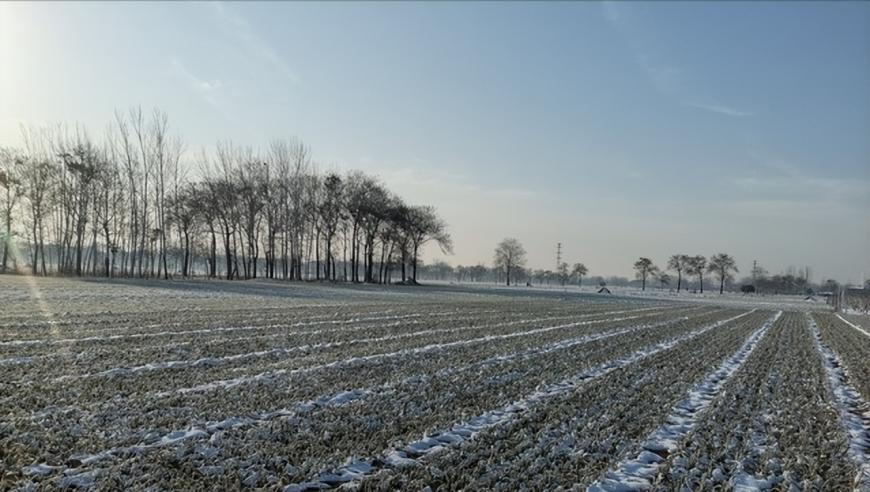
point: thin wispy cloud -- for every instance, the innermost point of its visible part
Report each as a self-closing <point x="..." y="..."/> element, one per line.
<point x="206" y="89"/>
<point x="720" y="109"/>
<point x="669" y="79"/>
<point x="406" y="177"/>
<point x="780" y="184"/>
<point x="239" y="27"/>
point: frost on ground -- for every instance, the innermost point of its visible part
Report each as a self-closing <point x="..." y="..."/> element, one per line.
<point x="409" y="454"/>
<point x="854" y="410"/>
<point x="853" y="325"/>
<point x="638" y="473"/>
<point x="266" y="385"/>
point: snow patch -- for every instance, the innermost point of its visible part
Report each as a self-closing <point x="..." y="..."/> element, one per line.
<point x="854" y="411"/>
<point x="271" y="375"/>
<point x="411" y="454"/>
<point x="638" y="473"/>
<point x="853" y="325"/>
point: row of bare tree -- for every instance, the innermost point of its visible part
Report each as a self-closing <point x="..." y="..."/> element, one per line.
<point x="509" y="261"/>
<point x="133" y="204"/>
<point x="722" y="265"/>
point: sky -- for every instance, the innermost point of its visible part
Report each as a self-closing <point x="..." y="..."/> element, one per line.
<point x="618" y="129"/>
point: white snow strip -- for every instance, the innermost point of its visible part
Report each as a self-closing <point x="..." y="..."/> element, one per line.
<point x="199" y="432"/>
<point x="269" y="375"/>
<point x="854" y="411"/>
<point x="215" y="361"/>
<point x="56" y="341"/>
<point x="563" y="344"/>
<point x="744" y="482"/>
<point x="201" y="343"/>
<point x="268" y="313"/>
<point x="498" y="359"/>
<point x="11" y="361"/>
<point x="853" y="325"/>
<point x="410" y="454"/>
<point x="638" y="473"/>
<point x="342" y="398"/>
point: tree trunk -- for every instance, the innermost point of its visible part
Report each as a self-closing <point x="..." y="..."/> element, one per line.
<point x="414" y="278"/>
<point x="228" y="251"/>
<point x="35" y="265"/>
<point x="7" y="237"/>
<point x="370" y="246"/>
<point x="185" y="266"/>
<point x="317" y="255"/>
<point x="108" y="247"/>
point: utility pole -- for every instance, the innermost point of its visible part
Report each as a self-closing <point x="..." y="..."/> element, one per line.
<point x="558" y="256"/>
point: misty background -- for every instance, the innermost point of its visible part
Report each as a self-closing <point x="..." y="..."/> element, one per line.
<point x="618" y="129"/>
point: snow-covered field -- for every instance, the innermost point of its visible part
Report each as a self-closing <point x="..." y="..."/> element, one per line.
<point x="228" y="385"/>
<point x="709" y="296"/>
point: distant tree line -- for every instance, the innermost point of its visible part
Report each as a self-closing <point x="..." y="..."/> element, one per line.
<point x="721" y="265"/>
<point x="509" y="267"/>
<point x="133" y="204"/>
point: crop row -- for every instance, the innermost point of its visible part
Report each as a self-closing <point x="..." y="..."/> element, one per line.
<point x="406" y="392"/>
<point x="132" y="353"/>
<point x="580" y="429"/>
<point x="854" y="410"/>
<point x="772" y="427"/>
<point x="280" y="362"/>
<point x="852" y="347"/>
<point x="67" y="339"/>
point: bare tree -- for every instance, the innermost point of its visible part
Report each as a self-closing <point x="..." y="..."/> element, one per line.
<point x="664" y="279"/>
<point x="249" y="178"/>
<point x="509" y="255"/>
<point x="122" y="141"/>
<point x="696" y="265"/>
<point x="331" y="214"/>
<point x="11" y="169"/>
<point x="643" y="268"/>
<point x="758" y="274"/>
<point x="678" y="263"/>
<point x="107" y="202"/>
<point x="82" y="165"/>
<point x="723" y="266"/>
<point x="375" y="211"/>
<point x="562" y="273"/>
<point x="187" y="207"/>
<point x="357" y="189"/>
<point x="145" y="160"/>
<point x="223" y="193"/>
<point x="579" y="271"/>
<point x="37" y="182"/>
<point x="87" y="203"/>
<point x="424" y="226"/>
<point x="39" y="176"/>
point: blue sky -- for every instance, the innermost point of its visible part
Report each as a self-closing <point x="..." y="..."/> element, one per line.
<point x="619" y="129"/>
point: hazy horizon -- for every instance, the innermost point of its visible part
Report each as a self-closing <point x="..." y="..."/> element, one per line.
<point x="619" y="130"/>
